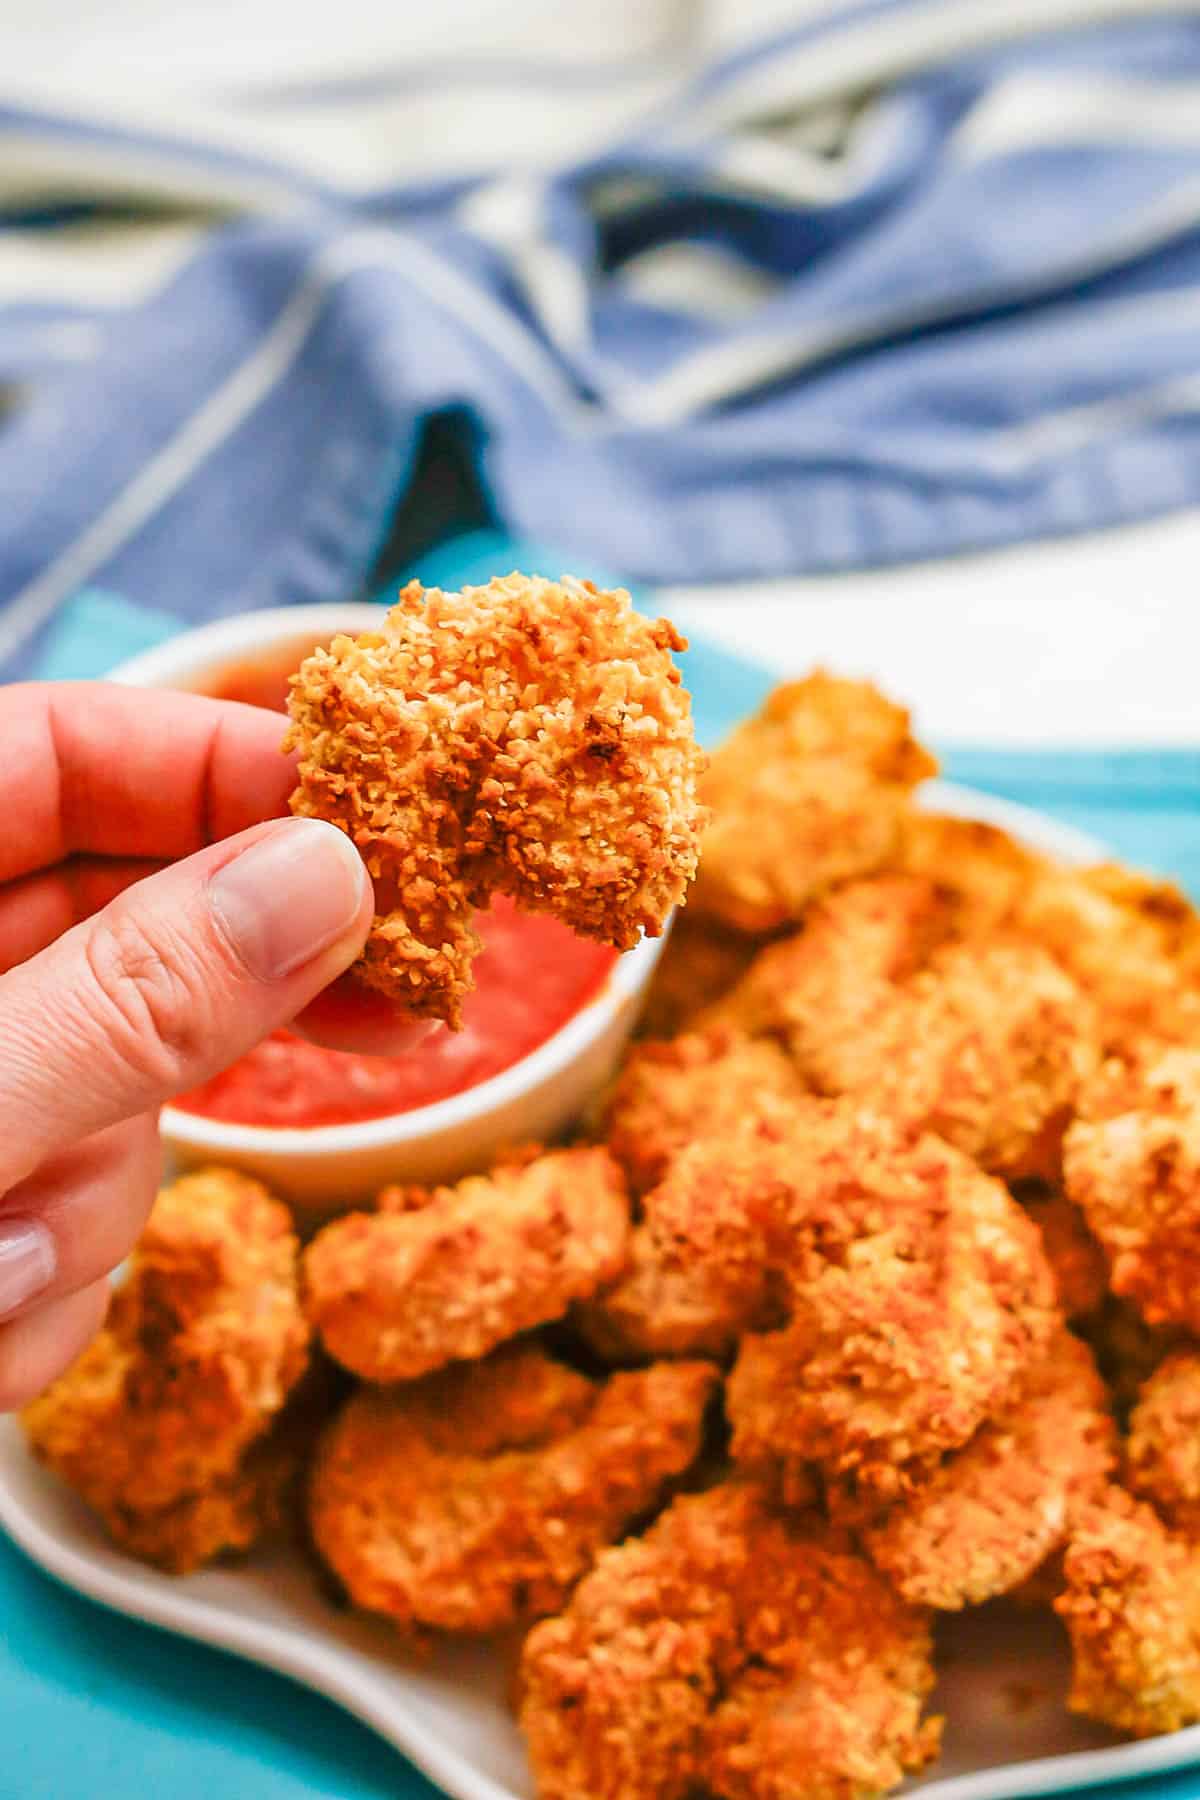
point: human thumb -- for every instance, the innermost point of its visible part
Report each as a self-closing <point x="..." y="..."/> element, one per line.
<point x="172" y="981"/>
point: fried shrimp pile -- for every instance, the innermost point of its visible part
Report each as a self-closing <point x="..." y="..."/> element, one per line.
<point x="821" y="986"/>
<point x="161" y="1424"/>
<point x="991" y="1513"/>
<point x="431" y="1278"/>
<point x="1131" y="1605"/>
<point x="480" y="1495"/>
<point x="866" y="1289"/>
<point x="986" y="1043"/>
<point x="905" y="1336"/>
<point x="810" y="792"/>
<point x="732" y="1651"/>
<point x="529" y="738"/>
<point x="1133" y="1165"/>
<point x="1162" y="1451"/>
<point x="699" y="1085"/>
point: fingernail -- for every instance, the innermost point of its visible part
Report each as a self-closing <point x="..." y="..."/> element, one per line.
<point x="27" y="1263"/>
<point x="289" y="896"/>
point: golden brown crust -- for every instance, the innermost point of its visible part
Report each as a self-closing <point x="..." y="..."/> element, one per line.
<point x="480" y="1495"/>
<point x="699" y="1271"/>
<point x="991" y="1513"/>
<point x="451" y="1274"/>
<point x="988" y="1046"/>
<point x="823" y="984"/>
<point x="982" y="872"/>
<point x="729" y="1651"/>
<point x="810" y="792"/>
<point x="1162" y="1453"/>
<point x="1130" y="941"/>
<point x="528" y="737"/>
<point x="1131" y="1605"/>
<point x="203" y="1343"/>
<point x="1133" y="1164"/>
<point x="700" y="962"/>
<point x="702" y="1085"/>
<point x="987" y="1041"/>
<point x="916" y="1318"/>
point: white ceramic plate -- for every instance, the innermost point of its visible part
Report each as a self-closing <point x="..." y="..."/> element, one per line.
<point x="1004" y="1672"/>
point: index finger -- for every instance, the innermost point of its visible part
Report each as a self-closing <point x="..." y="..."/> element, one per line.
<point x="132" y="772"/>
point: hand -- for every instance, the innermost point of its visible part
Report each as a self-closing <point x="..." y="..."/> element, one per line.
<point x="128" y="975"/>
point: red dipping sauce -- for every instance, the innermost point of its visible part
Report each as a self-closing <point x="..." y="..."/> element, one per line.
<point x="531" y="977"/>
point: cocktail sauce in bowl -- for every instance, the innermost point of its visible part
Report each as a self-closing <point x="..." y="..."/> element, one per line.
<point x="543" y="1030"/>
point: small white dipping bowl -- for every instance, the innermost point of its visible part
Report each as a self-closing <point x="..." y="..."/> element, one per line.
<point x="328" y="1166"/>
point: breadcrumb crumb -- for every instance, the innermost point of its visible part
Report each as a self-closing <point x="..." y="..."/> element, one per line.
<point x="529" y="738"/>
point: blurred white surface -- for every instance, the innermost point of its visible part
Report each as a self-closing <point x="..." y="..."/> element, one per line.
<point x="1087" y="641"/>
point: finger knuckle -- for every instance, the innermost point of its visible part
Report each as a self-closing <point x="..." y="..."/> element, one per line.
<point x="150" y="993"/>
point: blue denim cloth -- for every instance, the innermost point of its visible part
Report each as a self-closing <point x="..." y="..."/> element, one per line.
<point x="943" y="294"/>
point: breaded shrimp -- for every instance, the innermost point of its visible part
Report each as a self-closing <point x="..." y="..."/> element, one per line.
<point x="981" y="871"/>
<point x="1162" y="1453"/>
<point x="985" y="1042"/>
<point x="434" y="1278"/>
<point x="530" y="738"/>
<point x="704" y="1084"/>
<point x="991" y="1513"/>
<point x="204" y="1341"/>
<point x="808" y="793"/>
<point x="260" y="1500"/>
<point x="479" y="1496"/>
<point x="733" y="1652"/>
<point x="826" y="982"/>
<point x="1080" y="1271"/>
<point x="903" y="1337"/>
<point x="700" y="962"/>
<point x="1136" y="1174"/>
<point x="1128" y="940"/>
<point x="700" y="1271"/>
<point x="988" y="1046"/>
<point x="1131" y="1605"/>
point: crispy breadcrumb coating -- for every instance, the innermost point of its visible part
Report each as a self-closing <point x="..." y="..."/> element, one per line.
<point x="261" y="1500"/>
<point x="1130" y="941"/>
<point x="700" y="962"/>
<point x="988" y="1046"/>
<point x="434" y="1278"/>
<point x="808" y="793"/>
<point x="825" y="983"/>
<point x="479" y="1496"/>
<point x="1080" y="1271"/>
<point x="530" y="738"/>
<point x="981" y="871"/>
<point x="1131" y="1605"/>
<point x="204" y="1340"/>
<point x="734" y="1652"/>
<point x="1162" y="1453"/>
<point x="1136" y="1174"/>
<point x="704" y="1084"/>
<point x="903" y="1337"/>
<point x="699" y="1270"/>
<point x="986" y="1042"/>
<point x="991" y="1513"/>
